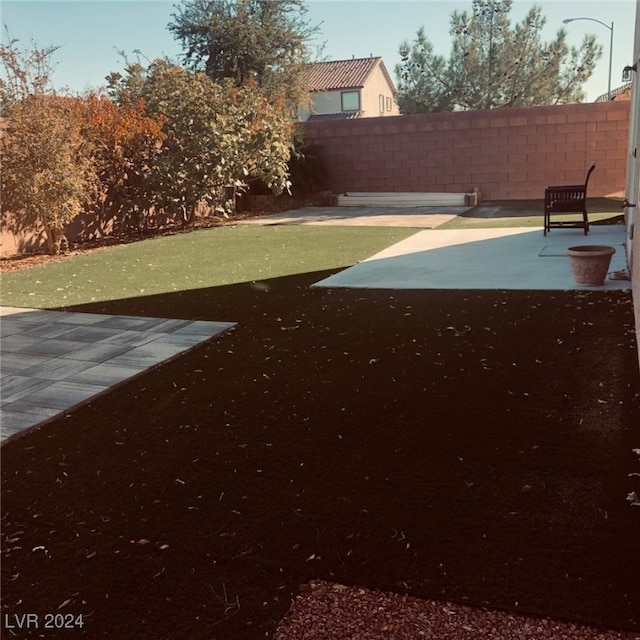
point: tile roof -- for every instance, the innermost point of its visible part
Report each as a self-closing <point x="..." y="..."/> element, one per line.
<point x="342" y="74"/>
<point x="345" y="115"/>
<point x="623" y="92"/>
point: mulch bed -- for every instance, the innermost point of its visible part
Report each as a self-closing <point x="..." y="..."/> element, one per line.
<point x="472" y="446"/>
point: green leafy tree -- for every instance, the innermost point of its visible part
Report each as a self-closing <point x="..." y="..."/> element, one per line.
<point x="493" y="64"/>
<point x="217" y="135"/>
<point x="263" y="41"/>
<point x="127" y="89"/>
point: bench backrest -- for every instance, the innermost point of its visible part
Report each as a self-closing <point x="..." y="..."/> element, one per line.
<point x="586" y="182"/>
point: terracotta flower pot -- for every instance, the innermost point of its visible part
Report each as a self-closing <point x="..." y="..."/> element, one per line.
<point x="590" y="263"/>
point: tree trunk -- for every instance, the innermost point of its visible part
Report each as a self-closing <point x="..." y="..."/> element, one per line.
<point x="54" y="239"/>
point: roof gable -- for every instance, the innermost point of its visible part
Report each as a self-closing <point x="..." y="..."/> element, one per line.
<point x="343" y="74"/>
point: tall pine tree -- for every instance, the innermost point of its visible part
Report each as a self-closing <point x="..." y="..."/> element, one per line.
<point x="493" y="64"/>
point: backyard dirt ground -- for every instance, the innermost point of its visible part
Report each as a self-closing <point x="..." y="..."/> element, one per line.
<point x="474" y="446"/>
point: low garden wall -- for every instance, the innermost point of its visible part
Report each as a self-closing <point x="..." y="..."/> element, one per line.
<point x="509" y="154"/>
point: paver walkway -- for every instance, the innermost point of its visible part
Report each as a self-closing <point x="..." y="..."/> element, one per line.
<point x="52" y="361"/>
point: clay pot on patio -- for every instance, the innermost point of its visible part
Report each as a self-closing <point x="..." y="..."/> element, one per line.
<point x="590" y="263"/>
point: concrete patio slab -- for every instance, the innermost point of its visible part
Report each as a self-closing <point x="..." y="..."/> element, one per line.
<point x="52" y="361"/>
<point x="419" y="217"/>
<point x="516" y="258"/>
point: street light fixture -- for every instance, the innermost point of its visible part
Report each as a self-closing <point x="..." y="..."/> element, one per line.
<point x="604" y="24"/>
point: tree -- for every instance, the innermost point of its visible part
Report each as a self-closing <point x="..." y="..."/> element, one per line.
<point x="263" y="41"/>
<point x="63" y="155"/>
<point x="25" y="71"/>
<point x="47" y="174"/>
<point x="493" y="65"/>
<point x="126" y="142"/>
<point x="217" y="135"/>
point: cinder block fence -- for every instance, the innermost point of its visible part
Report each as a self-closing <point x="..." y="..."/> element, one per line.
<point x="510" y="154"/>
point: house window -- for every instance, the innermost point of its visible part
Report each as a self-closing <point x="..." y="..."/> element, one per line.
<point x="350" y="100"/>
<point x="389" y="104"/>
<point x="381" y="103"/>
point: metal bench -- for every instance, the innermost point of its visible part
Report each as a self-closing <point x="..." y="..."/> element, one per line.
<point x="567" y="198"/>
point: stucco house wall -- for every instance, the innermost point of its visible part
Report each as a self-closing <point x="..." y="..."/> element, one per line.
<point x="633" y="180"/>
<point x="377" y="86"/>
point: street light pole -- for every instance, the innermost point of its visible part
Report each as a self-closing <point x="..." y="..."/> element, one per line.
<point x="604" y="24"/>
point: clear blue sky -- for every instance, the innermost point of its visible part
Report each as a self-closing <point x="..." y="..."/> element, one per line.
<point x="91" y="32"/>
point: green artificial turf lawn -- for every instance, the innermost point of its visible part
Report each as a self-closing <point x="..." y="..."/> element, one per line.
<point x="464" y="222"/>
<point x="204" y="258"/>
<point x="529" y="213"/>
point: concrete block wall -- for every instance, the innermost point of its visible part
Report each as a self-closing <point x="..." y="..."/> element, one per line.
<point x="510" y="154"/>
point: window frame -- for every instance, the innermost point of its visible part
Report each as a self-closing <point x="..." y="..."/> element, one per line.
<point x="343" y="94"/>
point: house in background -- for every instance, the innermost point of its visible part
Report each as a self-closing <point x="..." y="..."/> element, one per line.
<point x="345" y="89"/>
<point x="621" y="93"/>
